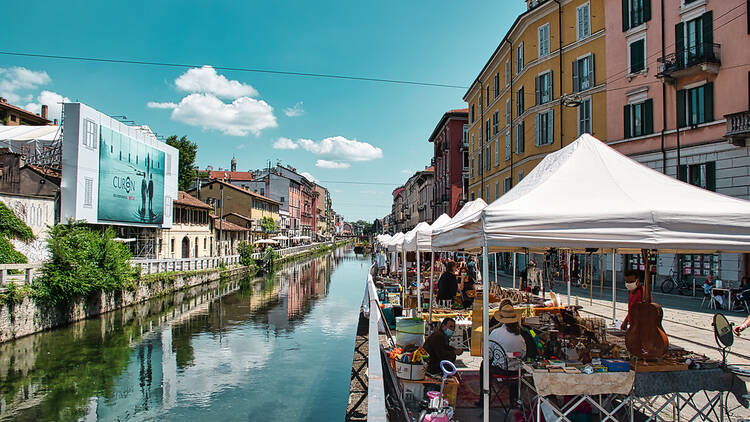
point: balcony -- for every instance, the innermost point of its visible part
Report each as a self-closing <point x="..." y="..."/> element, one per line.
<point x="699" y="58"/>
<point x="738" y="128"/>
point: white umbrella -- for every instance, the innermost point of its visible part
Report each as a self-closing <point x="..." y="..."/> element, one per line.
<point x="266" y="242"/>
<point x="279" y="237"/>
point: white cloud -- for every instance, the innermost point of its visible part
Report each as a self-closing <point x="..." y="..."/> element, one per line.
<point x="154" y="104"/>
<point x="406" y="171"/>
<point x="370" y="192"/>
<point x="338" y="191"/>
<point x="14" y="79"/>
<point x="238" y="118"/>
<point x="332" y="164"/>
<point x="340" y="148"/>
<point x="285" y="143"/>
<point x="52" y="100"/>
<point x="206" y="80"/>
<point x="295" y="111"/>
<point x="309" y="177"/>
<point x="241" y="146"/>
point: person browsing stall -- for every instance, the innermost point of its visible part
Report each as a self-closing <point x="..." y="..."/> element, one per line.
<point x="439" y="348"/>
<point x="507" y="336"/>
<point x="448" y="283"/>
<point x="635" y="293"/>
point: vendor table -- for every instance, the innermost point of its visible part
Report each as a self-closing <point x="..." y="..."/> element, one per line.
<point x="609" y="392"/>
<point x="730" y="293"/>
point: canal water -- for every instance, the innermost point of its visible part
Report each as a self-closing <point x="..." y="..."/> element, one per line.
<point x="277" y="348"/>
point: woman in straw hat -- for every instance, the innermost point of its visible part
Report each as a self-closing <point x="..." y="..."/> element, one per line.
<point x="508" y="337"/>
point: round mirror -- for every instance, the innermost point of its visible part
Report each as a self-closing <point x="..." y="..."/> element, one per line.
<point x="723" y="331"/>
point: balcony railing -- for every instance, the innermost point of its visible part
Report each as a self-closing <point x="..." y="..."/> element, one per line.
<point x="738" y="127"/>
<point x="677" y="63"/>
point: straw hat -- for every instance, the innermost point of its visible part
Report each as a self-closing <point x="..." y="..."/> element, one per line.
<point x="506" y="315"/>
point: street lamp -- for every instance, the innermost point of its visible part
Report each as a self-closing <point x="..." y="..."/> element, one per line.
<point x="571" y="101"/>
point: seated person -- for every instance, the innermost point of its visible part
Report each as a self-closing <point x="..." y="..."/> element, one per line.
<point x="708" y="286"/>
<point x="439" y="348"/>
<point x="743" y="293"/>
<point x="508" y="336"/>
<point x="448" y="283"/>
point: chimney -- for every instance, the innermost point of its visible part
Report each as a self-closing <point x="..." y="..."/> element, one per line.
<point x="3" y="100"/>
<point x="44" y="111"/>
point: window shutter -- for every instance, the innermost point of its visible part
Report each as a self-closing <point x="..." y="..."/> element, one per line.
<point x="575" y="76"/>
<point x="708" y="31"/>
<point x="625" y="15"/>
<point x="551" y="89"/>
<point x="711" y="176"/>
<point x="679" y="37"/>
<point x="550" y="127"/>
<point x="708" y="95"/>
<point x="536" y="130"/>
<point x="626" y="120"/>
<point x="592" y="77"/>
<point x="646" y="10"/>
<point x="536" y="86"/>
<point x="682" y="173"/>
<point x="648" y="117"/>
<point x="681" y="108"/>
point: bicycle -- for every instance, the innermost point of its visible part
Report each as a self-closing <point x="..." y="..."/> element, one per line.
<point x="682" y="285"/>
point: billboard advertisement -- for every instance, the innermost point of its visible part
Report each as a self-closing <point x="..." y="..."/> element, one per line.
<point x="131" y="179"/>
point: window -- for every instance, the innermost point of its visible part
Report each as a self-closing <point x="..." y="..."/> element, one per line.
<point x="507" y="111"/>
<point x="171" y="245"/>
<point x="519" y="138"/>
<point x="473" y="143"/>
<point x="281" y="199"/>
<point x="487" y="131"/>
<point x="90" y="136"/>
<point x="88" y="192"/>
<point x="544" y="88"/>
<point x="635" y="13"/>
<point x="487" y="194"/>
<point x="519" y="102"/>
<point x="168" y="163"/>
<point x="497" y="84"/>
<point x="583" y="73"/>
<point x="465" y="190"/>
<point x="544" y="127"/>
<point x="497" y="190"/>
<point x="694" y="40"/>
<point x="507" y="72"/>
<point x="519" y="58"/>
<point x="637" y="55"/>
<point x="701" y="175"/>
<point x="472" y="196"/>
<point x="520" y="176"/>
<point x="507" y="184"/>
<point x="466" y="160"/>
<point x="472" y="113"/>
<point x="639" y="119"/>
<point x="488" y="95"/>
<point x="487" y="157"/>
<point x="584" y="117"/>
<point x="472" y="167"/>
<point x="495" y="122"/>
<point x="465" y="138"/>
<point x="497" y="152"/>
<point x="479" y="103"/>
<point x="583" y="21"/>
<point x="695" y="105"/>
<point x="507" y="145"/>
<point x="543" y="40"/>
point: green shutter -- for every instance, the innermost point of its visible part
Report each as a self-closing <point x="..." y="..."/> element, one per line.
<point x="626" y="120"/>
<point x="648" y="117"/>
<point x="708" y="96"/>
<point x="646" y="10"/>
<point x="711" y="176"/>
<point x="681" y="108"/>
<point x="682" y="173"/>
<point x="575" y="76"/>
<point x="679" y="36"/>
<point x="708" y="31"/>
<point x="625" y="15"/>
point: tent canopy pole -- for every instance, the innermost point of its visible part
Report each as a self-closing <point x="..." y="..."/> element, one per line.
<point x="485" y="336"/>
<point x="432" y="283"/>
<point x="419" y="284"/>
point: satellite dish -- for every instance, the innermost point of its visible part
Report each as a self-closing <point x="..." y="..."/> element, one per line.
<point x="723" y="334"/>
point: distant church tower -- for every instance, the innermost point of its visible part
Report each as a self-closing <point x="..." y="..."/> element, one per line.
<point x="234" y="164"/>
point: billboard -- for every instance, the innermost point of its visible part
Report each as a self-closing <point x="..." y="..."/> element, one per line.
<point x="131" y="179"/>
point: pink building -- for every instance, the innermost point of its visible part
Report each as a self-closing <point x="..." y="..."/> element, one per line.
<point x="451" y="161"/>
<point x="678" y="100"/>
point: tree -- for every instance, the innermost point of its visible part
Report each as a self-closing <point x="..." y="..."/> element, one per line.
<point x="267" y="225"/>
<point x="188" y="151"/>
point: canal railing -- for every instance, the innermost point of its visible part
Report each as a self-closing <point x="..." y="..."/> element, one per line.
<point x="376" y="410"/>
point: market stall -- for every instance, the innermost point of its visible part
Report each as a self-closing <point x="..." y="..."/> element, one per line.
<point x="634" y="209"/>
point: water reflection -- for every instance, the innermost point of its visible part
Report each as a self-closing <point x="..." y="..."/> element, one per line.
<point x="171" y="357"/>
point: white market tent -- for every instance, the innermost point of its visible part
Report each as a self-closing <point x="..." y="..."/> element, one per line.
<point x="587" y="195"/>
<point x="451" y="235"/>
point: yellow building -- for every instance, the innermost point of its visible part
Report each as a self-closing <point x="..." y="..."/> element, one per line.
<point x="515" y="103"/>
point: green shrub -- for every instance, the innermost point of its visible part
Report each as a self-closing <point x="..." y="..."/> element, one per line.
<point x="12" y="227"/>
<point x="83" y="261"/>
<point x="245" y="251"/>
<point x="9" y="254"/>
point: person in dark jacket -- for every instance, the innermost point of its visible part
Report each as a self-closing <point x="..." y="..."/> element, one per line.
<point x="439" y="348"/>
<point x="448" y="283"/>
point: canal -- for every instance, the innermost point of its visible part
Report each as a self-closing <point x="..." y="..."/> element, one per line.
<point x="275" y="348"/>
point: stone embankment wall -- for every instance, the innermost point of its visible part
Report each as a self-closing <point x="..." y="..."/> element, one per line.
<point x="28" y="317"/>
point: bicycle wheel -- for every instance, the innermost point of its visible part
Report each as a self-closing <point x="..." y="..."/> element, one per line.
<point x="686" y="289"/>
<point x="667" y="285"/>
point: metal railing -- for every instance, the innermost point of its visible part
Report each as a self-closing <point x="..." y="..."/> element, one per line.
<point x="376" y="410"/>
<point x="690" y="56"/>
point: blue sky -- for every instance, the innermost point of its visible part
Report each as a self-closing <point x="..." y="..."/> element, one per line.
<point x="437" y="41"/>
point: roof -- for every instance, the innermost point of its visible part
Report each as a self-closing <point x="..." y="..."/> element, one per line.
<point x="26" y="113"/>
<point x="227" y="226"/>
<point x="46" y="172"/>
<point x="29" y="133"/>
<point x="187" y="200"/>
<point x="238" y="215"/>
<point x="244" y="176"/>
<point x="455" y="113"/>
<point x="239" y="189"/>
